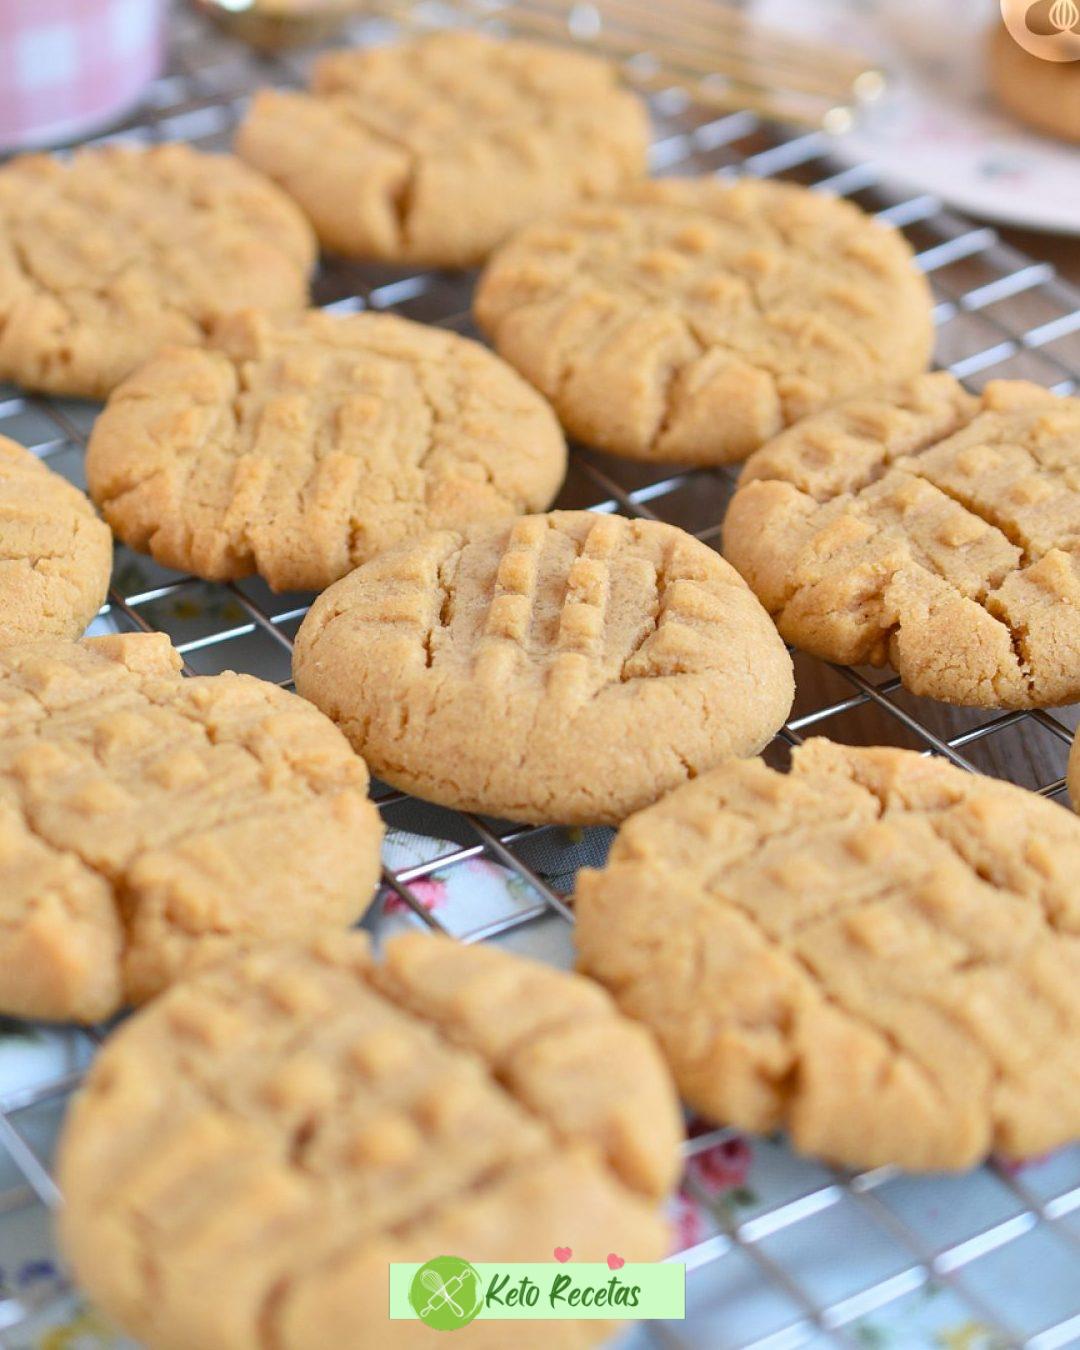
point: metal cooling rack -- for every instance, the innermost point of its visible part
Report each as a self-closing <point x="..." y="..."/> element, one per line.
<point x="754" y="1280"/>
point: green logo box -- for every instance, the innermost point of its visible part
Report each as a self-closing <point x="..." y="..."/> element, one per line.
<point x="449" y="1292"/>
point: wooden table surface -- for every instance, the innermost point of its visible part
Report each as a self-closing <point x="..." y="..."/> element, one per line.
<point x="1063" y="252"/>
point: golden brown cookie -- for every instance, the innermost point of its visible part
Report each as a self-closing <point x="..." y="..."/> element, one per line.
<point x="694" y="319"/>
<point x="1044" y="94"/>
<point x="877" y="951"/>
<point x="55" y="555"/>
<point x="432" y="151"/>
<point x="251" y="1152"/>
<point x="299" y="447"/>
<point x="930" y="529"/>
<point x="567" y="668"/>
<point x="1074" y="773"/>
<point x="108" y="256"/>
<point x="146" y="821"/>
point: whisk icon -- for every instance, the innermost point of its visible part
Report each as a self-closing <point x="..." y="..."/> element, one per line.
<point x="442" y="1291"/>
<point x="446" y="1292"/>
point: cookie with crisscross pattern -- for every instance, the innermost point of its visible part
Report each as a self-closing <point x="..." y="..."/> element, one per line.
<point x="928" y="528"/>
<point x="569" y="667"/>
<point x="55" y="554"/>
<point x="432" y="151"/>
<point x="299" y="447"/>
<point x="690" y="319"/>
<point x="120" y="250"/>
<point x="877" y="950"/>
<point x="147" y="821"/>
<point x="279" y="1129"/>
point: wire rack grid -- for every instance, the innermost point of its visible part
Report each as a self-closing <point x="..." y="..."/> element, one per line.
<point x="789" y="1269"/>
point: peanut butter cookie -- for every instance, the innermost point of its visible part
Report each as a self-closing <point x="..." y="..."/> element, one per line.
<point x="433" y="151"/>
<point x="693" y="319"/>
<point x="299" y="447"/>
<point x="929" y="529"/>
<point x="568" y="668"/>
<point x="55" y="555"/>
<point x="108" y="256"/>
<point x="877" y="950"/>
<point x="148" y="820"/>
<point x="251" y="1152"/>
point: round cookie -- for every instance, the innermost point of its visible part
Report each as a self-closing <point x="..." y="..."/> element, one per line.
<point x="55" y="554"/>
<point x="567" y="668"/>
<point x="693" y="319"/>
<point x="251" y="1152"/>
<point x="1074" y="773"/>
<point x="1044" y="94"/>
<point x="147" y="821"/>
<point x="299" y="447"/>
<point x="112" y="254"/>
<point x="433" y="151"/>
<point x="876" y="951"/>
<point x="929" y="529"/>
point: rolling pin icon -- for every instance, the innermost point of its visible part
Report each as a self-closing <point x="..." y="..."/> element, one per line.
<point x="443" y="1291"/>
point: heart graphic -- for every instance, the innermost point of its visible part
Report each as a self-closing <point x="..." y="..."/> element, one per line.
<point x="615" y="1262"/>
<point x="563" y="1254"/>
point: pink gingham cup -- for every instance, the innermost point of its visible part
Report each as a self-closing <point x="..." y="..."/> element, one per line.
<point x="70" y="67"/>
